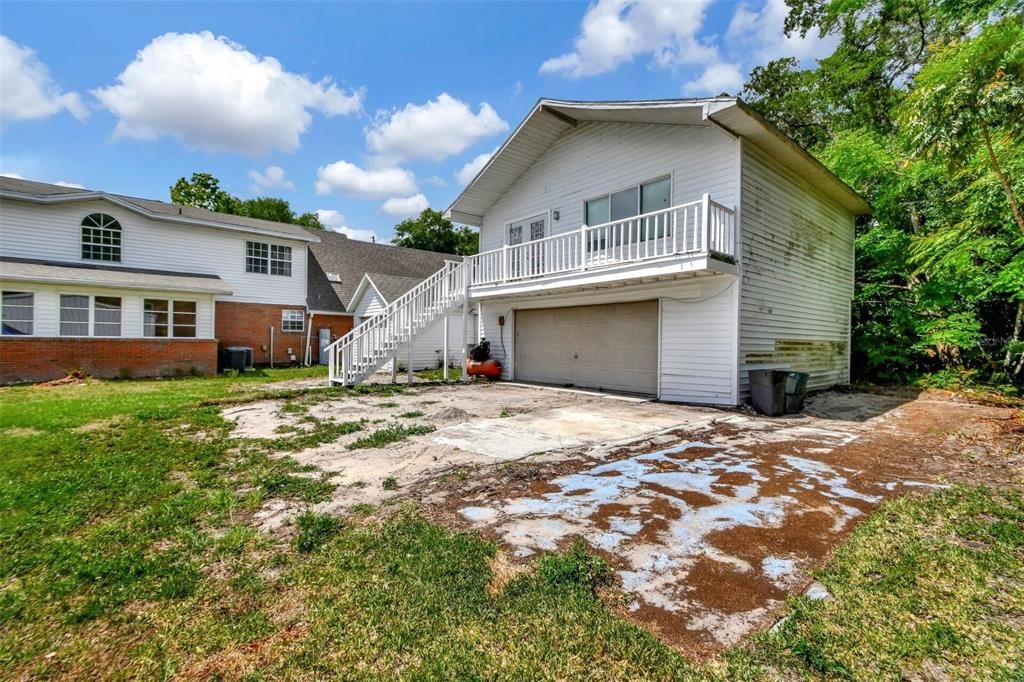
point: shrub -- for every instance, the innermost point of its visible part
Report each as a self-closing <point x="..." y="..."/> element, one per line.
<point x="575" y="568"/>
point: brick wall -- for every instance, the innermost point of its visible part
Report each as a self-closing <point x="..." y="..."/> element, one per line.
<point x="42" y="359"/>
<point x="248" y="324"/>
<point x="338" y="324"/>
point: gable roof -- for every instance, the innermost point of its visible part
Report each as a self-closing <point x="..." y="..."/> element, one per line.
<point x="45" y="193"/>
<point x="338" y="266"/>
<point x="550" y="119"/>
<point x="35" y="270"/>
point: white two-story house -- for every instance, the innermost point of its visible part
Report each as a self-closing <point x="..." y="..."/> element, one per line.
<point x="121" y="286"/>
<point x="662" y="248"/>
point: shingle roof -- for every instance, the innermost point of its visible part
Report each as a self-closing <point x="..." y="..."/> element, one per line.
<point x="32" y="270"/>
<point x="339" y="263"/>
<point x="392" y="286"/>
<point x="49" y="193"/>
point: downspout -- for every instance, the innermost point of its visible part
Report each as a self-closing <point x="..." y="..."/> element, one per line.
<point x="309" y="333"/>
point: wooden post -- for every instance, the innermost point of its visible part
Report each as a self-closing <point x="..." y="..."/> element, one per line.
<point x="705" y="221"/>
<point x="444" y="351"/>
<point x="408" y="367"/>
<point x="583" y="247"/>
<point x="465" y="326"/>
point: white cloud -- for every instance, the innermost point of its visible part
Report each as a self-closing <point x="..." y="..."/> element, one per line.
<point x="405" y="207"/>
<point x="59" y="183"/>
<point x="28" y="90"/>
<point x="435" y="130"/>
<point x="763" y="34"/>
<point x="351" y="180"/>
<point x="271" y="178"/>
<point x="217" y="96"/>
<point x="469" y="171"/>
<point x="716" y="79"/>
<point x="613" y="32"/>
<point x="436" y="181"/>
<point x="336" y="222"/>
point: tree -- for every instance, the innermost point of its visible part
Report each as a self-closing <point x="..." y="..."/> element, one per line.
<point x="899" y="111"/>
<point x="203" y="191"/>
<point x="268" y="208"/>
<point x="969" y="92"/>
<point x="431" y="231"/>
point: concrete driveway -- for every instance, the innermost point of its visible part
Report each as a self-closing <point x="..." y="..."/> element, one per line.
<point x="710" y="517"/>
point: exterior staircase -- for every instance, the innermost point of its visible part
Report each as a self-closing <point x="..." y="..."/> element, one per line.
<point x="371" y="344"/>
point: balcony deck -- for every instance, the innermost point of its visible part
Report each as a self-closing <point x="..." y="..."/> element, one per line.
<point x="696" y="237"/>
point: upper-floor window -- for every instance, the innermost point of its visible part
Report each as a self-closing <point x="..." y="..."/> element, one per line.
<point x="18" y="313"/>
<point x="101" y="238"/>
<point x="629" y="202"/>
<point x="263" y="258"/>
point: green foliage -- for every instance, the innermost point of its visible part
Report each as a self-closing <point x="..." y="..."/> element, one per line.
<point x="391" y="434"/>
<point x="921" y="109"/>
<point x="314" y="530"/>
<point x="203" y="191"/>
<point x="576" y="568"/>
<point x="431" y="231"/>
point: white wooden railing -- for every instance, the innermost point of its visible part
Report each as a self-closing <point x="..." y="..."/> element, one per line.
<point x="369" y="345"/>
<point x="703" y="226"/>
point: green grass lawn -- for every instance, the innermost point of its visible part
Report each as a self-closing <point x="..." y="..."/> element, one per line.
<point x="129" y="551"/>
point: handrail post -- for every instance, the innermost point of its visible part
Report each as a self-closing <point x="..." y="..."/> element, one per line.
<point x="583" y="247"/>
<point x="705" y="221"/>
<point x="504" y="262"/>
<point x="675" y="230"/>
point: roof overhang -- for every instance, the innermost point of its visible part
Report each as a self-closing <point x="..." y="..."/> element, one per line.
<point x="152" y="215"/>
<point x="549" y="119"/>
<point x="68" y="274"/>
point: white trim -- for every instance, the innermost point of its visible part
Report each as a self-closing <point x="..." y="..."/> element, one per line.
<point x="661" y="312"/>
<point x="37" y="279"/>
<point x="737" y="296"/>
<point x="135" y="208"/>
<point x="302" y="312"/>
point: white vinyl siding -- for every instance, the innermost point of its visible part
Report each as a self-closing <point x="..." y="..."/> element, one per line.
<point x="47" y="304"/>
<point x="797" y="256"/>
<point x="54" y="233"/>
<point x="595" y="159"/>
<point x="698" y="348"/>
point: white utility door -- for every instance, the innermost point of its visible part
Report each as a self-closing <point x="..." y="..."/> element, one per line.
<point x="527" y="259"/>
<point x="612" y="346"/>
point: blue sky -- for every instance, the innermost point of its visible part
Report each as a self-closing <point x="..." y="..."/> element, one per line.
<point x="364" y="111"/>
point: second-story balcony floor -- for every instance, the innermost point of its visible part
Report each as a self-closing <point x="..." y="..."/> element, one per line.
<point x="692" y="239"/>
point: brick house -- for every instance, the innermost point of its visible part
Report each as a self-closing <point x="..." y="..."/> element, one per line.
<point x="121" y="286"/>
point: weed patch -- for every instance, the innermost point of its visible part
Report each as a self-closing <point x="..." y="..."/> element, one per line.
<point x="314" y="530"/>
<point x="391" y="434"/>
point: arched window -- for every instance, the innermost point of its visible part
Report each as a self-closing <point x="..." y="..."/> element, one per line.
<point x="101" y="238"/>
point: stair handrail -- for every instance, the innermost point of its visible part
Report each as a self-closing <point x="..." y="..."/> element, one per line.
<point x="454" y="269"/>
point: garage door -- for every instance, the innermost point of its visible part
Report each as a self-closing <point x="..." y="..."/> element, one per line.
<point x="612" y="347"/>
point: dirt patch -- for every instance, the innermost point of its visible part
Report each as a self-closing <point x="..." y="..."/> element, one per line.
<point x="709" y="534"/>
<point x="19" y="432"/>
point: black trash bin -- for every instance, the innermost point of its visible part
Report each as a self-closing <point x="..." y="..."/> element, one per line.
<point x="796" y="391"/>
<point x="768" y="391"/>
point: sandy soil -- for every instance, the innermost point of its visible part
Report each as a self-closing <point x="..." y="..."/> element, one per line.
<point x="710" y="517"/>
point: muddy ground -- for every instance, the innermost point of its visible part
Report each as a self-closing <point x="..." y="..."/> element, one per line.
<point x="710" y="517"/>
